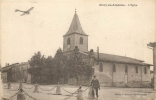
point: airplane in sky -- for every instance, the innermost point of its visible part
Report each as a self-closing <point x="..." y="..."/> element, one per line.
<point x="25" y="12"/>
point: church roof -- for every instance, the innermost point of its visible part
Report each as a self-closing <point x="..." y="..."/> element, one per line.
<point x="118" y="59"/>
<point x="75" y="26"/>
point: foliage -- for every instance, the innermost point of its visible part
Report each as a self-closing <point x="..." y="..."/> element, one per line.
<point x="36" y="65"/>
<point x="61" y="66"/>
<point x="75" y="66"/>
<point x="60" y="62"/>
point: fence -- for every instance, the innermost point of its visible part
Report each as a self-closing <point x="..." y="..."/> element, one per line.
<point x="22" y="93"/>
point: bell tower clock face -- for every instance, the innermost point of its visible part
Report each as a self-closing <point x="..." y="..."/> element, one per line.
<point x="68" y="46"/>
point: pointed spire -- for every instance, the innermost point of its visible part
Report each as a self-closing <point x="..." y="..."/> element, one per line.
<point x="75" y="10"/>
<point x="75" y="26"/>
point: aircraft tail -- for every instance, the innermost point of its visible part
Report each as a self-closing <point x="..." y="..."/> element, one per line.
<point x="16" y="10"/>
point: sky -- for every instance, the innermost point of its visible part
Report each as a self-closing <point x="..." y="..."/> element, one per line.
<point x="117" y="30"/>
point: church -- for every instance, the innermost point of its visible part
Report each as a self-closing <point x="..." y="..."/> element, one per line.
<point x="110" y="70"/>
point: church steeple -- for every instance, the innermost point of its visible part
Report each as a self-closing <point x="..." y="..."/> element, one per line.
<point x="75" y="26"/>
<point x="75" y="36"/>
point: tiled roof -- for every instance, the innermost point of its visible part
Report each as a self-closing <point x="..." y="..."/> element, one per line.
<point x="75" y="27"/>
<point x="118" y="59"/>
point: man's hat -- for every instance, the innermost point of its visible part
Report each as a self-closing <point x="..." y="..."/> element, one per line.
<point x="94" y="75"/>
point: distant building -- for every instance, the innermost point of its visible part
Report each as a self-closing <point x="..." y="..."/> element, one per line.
<point x="1" y="86"/>
<point x="16" y="72"/>
<point x="111" y="70"/>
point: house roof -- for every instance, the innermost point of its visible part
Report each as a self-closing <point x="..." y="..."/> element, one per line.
<point x="75" y="27"/>
<point x="8" y="67"/>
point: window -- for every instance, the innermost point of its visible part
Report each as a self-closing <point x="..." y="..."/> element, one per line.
<point x="145" y="70"/>
<point x="81" y="40"/>
<point x="136" y="69"/>
<point x="114" y="68"/>
<point x="101" y="67"/>
<point x="126" y="69"/>
<point x="68" y="41"/>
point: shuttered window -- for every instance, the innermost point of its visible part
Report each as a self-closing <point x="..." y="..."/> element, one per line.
<point x="81" y="40"/>
<point x="101" y="67"/>
<point x="114" y="68"/>
<point x="126" y="69"/>
<point x="136" y="69"/>
<point x="68" y="41"/>
<point x="145" y="70"/>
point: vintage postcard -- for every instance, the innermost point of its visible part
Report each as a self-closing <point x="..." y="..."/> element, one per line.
<point x="78" y="50"/>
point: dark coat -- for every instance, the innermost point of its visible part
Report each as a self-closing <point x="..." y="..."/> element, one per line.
<point x="95" y="83"/>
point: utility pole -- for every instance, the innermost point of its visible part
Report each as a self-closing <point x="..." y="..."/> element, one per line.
<point x="153" y="45"/>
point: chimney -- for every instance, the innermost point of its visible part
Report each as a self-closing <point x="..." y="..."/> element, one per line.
<point x="91" y="57"/>
<point x="98" y="54"/>
<point x="6" y="64"/>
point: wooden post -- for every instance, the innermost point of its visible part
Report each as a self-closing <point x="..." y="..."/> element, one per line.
<point x="153" y="45"/>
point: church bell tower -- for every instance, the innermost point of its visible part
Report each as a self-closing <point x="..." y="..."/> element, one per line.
<point x="75" y="36"/>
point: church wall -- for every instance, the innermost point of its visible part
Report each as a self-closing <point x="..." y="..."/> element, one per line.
<point x="83" y="47"/>
<point x="120" y="78"/>
<point x="72" y="42"/>
<point x="133" y="76"/>
<point x="146" y="79"/>
<point x="105" y="77"/>
<point x="134" y="79"/>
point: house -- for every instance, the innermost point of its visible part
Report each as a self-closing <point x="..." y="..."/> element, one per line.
<point x="16" y="72"/>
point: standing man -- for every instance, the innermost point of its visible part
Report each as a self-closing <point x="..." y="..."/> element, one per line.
<point x="95" y="84"/>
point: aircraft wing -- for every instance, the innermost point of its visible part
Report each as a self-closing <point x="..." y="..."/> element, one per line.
<point x="23" y="14"/>
<point x="30" y="9"/>
<point x="18" y="10"/>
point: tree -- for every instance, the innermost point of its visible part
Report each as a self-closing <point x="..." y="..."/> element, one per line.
<point x="36" y="66"/>
<point x="75" y="66"/>
<point x="59" y="62"/>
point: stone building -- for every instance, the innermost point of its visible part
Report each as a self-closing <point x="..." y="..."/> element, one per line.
<point x="7" y="72"/>
<point x="111" y="70"/>
<point x="16" y="72"/>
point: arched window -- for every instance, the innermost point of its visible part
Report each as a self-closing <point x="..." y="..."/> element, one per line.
<point x="114" y="68"/>
<point x="126" y="69"/>
<point x="81" y="40"/>
<point x="68" y="41"/>
<point x="101" y="67"/>
<point x="145" y="70"/>
<point x="136" y="69"/>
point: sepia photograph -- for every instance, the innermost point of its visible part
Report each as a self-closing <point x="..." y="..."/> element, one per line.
<point x="78" y="50"/>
